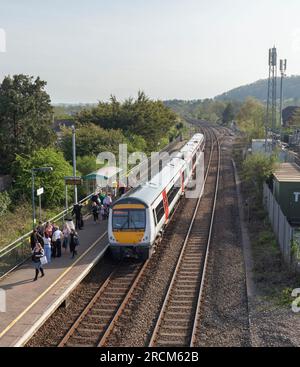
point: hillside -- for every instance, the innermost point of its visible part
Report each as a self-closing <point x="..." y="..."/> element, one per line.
<point x="258" y="90"/>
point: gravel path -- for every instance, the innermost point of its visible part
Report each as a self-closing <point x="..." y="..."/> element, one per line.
<point x="274" y="326"/>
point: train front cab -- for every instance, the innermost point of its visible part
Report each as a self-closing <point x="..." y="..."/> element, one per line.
<point x="128" y="238"/>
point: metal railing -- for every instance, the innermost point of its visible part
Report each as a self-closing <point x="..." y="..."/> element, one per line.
<point x="18" y="252"/>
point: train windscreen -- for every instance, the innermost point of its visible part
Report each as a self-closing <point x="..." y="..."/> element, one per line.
<point x="129" y="219"/>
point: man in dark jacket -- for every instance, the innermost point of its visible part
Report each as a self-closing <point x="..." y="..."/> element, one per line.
<point x="77" y="212"/>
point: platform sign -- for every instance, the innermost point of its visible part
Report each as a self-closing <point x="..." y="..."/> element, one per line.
<point x="73" y="180"/>
<point x="40" y="191"/>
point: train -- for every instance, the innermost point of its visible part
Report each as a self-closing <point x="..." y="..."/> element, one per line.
<point x="137" y="220"/>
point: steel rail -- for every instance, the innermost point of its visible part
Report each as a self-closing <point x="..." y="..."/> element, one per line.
<point x="204" y="272"/>
<point x="179" y="262"/>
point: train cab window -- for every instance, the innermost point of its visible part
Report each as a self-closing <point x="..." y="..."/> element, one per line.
<point x="137" y="219"/>
<point x="128" y="219"/>
<point x="120" y="219"/>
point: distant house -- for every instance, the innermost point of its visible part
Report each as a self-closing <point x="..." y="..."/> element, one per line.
<point x="287" y="115"/>
<point x="59" y="124"/>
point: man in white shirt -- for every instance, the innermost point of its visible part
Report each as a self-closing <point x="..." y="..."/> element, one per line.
<point x="56" y="241"/>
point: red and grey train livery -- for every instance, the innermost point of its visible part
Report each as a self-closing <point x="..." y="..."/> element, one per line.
<point x="138" y="218"/>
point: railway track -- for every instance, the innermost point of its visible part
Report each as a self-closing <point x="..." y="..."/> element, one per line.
<point x="95" y="322"/>
<point x="178" y="321"/>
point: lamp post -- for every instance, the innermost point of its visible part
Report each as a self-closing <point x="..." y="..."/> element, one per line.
<point x="33" y="171"/>
<point x="74" y="162"/>
<point x="283" y="66"/>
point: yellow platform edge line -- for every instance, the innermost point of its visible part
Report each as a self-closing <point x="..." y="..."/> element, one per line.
<point x="50" y="287"/>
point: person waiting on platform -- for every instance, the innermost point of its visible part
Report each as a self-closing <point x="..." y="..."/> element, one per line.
<point x="95" y="211"/>
<point x="56" y="241"/>
<point x="35" y="237"/>
<point x="47" y="247"/>
<point x="66" y="233"/>
<point x="37" y="254"/>
<point x="77" y="212"/>
<point x="74" y="242"/>
<point x="107" y="201"/>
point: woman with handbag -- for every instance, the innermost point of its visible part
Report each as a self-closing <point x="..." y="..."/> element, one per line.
<point x="38" y="258"/>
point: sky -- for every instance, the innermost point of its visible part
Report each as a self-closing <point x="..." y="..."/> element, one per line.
<point x="191" y="49"/>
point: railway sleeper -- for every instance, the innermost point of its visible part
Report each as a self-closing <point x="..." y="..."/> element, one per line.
<point x="186" y="286"/>
<point x="107" y="296"/>
<point x="99" y="312"/>
<point x="112" y="292"/>
<point x="83" y="339"/>
<point x="176" y="328"/>
<point x="168" y="343"/>
<point x="97" y="317"/>
<point x="107" y="305"/>
<point x="169" y="339"/>
<point x="172" y="333"/>
<point x="72" y="345"/>
<point x="87" y="325"/>
<point x="187" y="309"/>
<point x="179" y="323"/>
<point x="85" y="332"/>
<point x="183" y="293"/>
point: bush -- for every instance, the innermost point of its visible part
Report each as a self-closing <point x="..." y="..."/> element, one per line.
<point x="5" y="202"/>
<point x="86" y="164"/>
<point x="257" y="168"/>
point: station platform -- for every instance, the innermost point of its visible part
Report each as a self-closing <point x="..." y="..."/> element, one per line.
<point x="29" y="304"/>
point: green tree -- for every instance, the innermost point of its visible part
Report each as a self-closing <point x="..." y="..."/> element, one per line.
<point x="86" y="164"/>
<point x="149" y="119"/>
<point x="250" y="119"/>
<point x="25" y="118"/>
<point x="53" y="182"/>
<point x="228" y="114"/>
<point x="257" y="168"/>
<point x="5" y="202"/>
<point x="91" y="140"/>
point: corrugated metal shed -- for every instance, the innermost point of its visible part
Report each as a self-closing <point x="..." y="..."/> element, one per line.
<point x="286" y="189"/>
<point x="288" y="172"/>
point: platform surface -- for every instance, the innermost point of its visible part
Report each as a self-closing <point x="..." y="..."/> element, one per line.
<point x="29" y="303"/>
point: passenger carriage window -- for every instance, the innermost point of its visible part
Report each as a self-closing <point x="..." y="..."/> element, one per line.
<point x="154" y="216"/>
<point x="160" y="211"/>
<point x="174" y="191"/>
